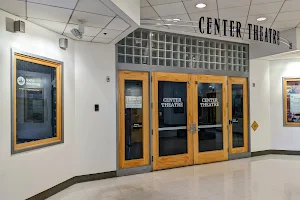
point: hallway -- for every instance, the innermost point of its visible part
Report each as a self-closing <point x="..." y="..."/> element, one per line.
<point x="257" y="178"/>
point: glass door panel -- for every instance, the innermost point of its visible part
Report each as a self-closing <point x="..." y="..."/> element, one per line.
<point x="133" y="119"/>
<point x="210" y="111"/>
<point x="172" y="112"/>
<point x="238" y="115"/>
<point x="172" y="139"/>
<point x="210" y="118"/>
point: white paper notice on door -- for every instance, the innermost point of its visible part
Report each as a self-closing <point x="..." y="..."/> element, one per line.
<point x="295" y="103"/>
<point x="133" y="101"/>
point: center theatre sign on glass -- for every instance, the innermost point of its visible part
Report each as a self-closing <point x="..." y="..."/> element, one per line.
<point x="209" y="102"/>
<point x="259" y="33"/>
<point x="172" y="103"/>
<point x="177" y="102"/>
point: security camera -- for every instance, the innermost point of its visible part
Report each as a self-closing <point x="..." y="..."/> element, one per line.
<point x="80" y="31"/>
<point x="76" y="33"/>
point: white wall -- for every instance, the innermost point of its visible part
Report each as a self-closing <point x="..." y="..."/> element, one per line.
<point x="90" y="137"/>
<point x="283" y="138"/>
<point x="260" y="104"/>
<point x="266" y="105"/>
<point x="34" y="171"/>
<point x="298" y="37"/>
<point x="95" y="131"/>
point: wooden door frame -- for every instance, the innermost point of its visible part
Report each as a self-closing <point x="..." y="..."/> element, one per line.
<point x="244" y="82"/>
<point x="165" y="162"/>
<point x="218" y="155"/>
<point x="144" y="77"/>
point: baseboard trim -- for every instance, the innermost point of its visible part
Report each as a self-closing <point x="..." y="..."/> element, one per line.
<point x="260" y="153"/>
<point x="72" y="181"/>
<point x="239" y="156"/>
<point x="278" y="152"/>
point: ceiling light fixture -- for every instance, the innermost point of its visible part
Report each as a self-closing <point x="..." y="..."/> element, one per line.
<point x="260" y="19"/>
<point x="176" y="20"/>
<point x="201" y="5"/>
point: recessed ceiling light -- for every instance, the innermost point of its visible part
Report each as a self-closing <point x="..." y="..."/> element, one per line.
<point x="260" y="19"/>
<point x="201" y="5"/>
<point x="176" y="20"/>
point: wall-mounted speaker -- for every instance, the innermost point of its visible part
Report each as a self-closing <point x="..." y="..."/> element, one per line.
<point x="63" y="43"/>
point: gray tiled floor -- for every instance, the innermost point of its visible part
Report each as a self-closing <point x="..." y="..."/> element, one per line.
<point x="270" y="177"/>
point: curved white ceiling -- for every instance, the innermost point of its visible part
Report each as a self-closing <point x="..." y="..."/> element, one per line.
<point x="63" y="15"/>
<point x="281" y="14"/>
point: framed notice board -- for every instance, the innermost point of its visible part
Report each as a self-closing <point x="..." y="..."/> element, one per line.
<point x="291" y="101"/>
<point x="36" y="102"/>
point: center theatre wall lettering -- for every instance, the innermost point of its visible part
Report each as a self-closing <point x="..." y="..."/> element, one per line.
<point x="259" y="32"/>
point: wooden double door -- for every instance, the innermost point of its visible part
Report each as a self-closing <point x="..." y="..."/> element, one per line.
<point x="195" y="119"/>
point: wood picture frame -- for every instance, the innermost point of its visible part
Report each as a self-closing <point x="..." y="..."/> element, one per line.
<point x="291" y="101"/>
<point x="56" y="138"/>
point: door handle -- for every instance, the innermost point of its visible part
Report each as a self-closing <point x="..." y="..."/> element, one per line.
<point x="235" y="120"/>
<point x="195" y="129"/>
<point x="191" y="128"/>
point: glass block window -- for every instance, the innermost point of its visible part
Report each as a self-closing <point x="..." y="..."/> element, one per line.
<point x="237" y="57"/>
<point x="134" y="48"/>
<point x="173" y="50"/>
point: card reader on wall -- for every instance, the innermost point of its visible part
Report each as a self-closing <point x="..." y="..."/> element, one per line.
<point x="96" y="107"/>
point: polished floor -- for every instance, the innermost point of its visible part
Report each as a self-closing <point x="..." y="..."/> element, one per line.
<point x="272" y="177"/>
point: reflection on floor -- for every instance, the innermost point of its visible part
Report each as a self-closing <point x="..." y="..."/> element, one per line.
<point x="271" y="177"/>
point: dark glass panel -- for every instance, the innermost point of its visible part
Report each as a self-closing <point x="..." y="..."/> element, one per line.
<point x="210" y="111"/>
<point x="133" y="119"/>
<point x="172" y="111"/>
<point x="237" y="116"/>
<point x="36" y="102"/>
